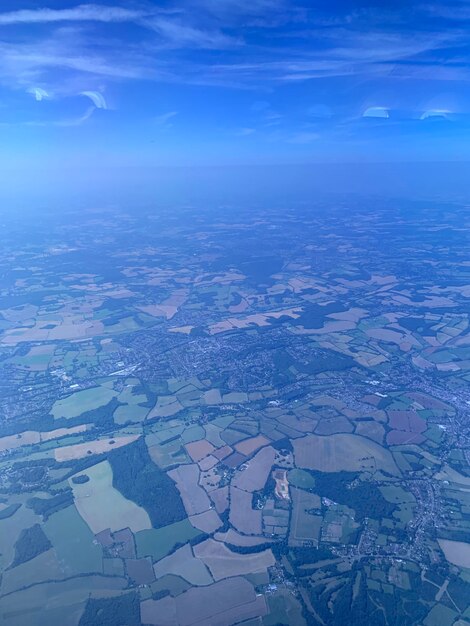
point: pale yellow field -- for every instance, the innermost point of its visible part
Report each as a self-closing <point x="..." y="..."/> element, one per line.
<point x="456" y="552"/>
<point x="26" y="438"/>
<point x="181" y="329"/>
<point x="257" y="319"/>
<point x="62" y="432"/>
<point x="79" y="450"/>
<point x="30" y="437"/>
<point x="102" y="506"/>
<point x="71" y="327"/>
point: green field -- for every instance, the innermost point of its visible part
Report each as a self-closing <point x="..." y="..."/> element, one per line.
<point x="131" y="411"/>
<point x="11" y="527"/>
<point x="157" y="543"/>
<point x="301" y="478"/>
<point x="82" y="401"/>
<point x="56" y="602"/>
<point x="44" y="567"/>
<point x="73" y="542"/>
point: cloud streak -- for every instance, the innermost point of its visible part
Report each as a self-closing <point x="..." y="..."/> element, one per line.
<point x="96" y="97"/>
<point x="162" y="120"/>
<point x="81" y="13"/>
<point x="377" y="112"/>
<point x="172" y="30"/>
<point x="357" y="48"/>
<point x="249" y="44"/>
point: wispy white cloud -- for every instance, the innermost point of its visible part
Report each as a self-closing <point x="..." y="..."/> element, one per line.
<point x="376" y="112"/>
<point x="38" y="93"/>
<point x="342" y="54"/>
<point x="223" y="9"/>
<point x="228" y="43"/>
<point x="96" y="97"/>
<point x="354" y="49"/>
<point x="252" y="12"/>
<point x="183" y="35"/>
<point x="163" y="120"/>
<point x="84" y="12"/>
<point x="25" y="63"/>
<point x="455" y="11"/>
<point x="171" y="29"/>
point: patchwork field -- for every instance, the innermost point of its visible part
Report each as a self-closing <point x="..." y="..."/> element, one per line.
<point x="60" y="602"/>
<point x="195" y="499"/>
<point x="255" y="475"/>
<point x="197" y="450"/>
<point x="208" y="521"/>
<point x="224" y="563"/>
<point x="305" y="526"/>
<point x="219" y="604"/>
<point x="242" y="516"/>
<point x="31" y="437"/>
<point x="158" y="542"/>
<point x="248" y="446"/>
<point x="100" y="446"/>
<point x="345" y="452"/>
<point x="231" y="537"/>
<point x="183" y="563"/>
<point x="236" y="413"/>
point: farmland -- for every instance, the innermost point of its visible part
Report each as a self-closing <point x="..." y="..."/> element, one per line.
<point x="223" y="563"/>
<point x="82" y="401"/>
<point x="102" y="506"/>
<point x="183" y="563"/>
<point x="99" y="446"/>
<point x="258" y="418"/>
<point x="342" y="452"/>
<point x="221" y="603"/>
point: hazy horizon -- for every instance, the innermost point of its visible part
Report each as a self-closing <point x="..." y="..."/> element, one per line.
<point x="302" y="182"/>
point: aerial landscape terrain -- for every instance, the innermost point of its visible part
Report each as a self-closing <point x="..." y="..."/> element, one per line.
<point x="234" y="313"/>
<point x="219" y="415"/>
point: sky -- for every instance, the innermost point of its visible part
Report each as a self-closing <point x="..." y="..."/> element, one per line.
<point x="232" y="82"/>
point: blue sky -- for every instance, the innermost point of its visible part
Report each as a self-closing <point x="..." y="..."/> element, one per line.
<point x="214" y="82"/>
